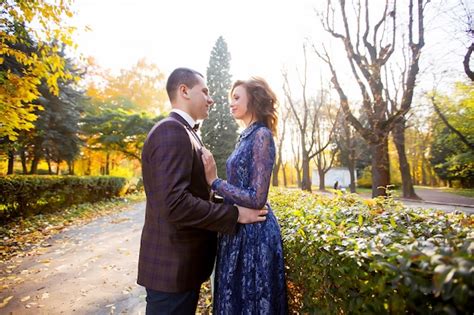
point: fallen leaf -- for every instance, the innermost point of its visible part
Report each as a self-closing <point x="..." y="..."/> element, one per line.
<point x="26" y="298"/>
<point x="45" y="296"/>
<point x="5" y="301"/>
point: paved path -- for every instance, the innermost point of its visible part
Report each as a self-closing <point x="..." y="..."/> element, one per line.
<point x="89" y="269"/>
<point x="441" y="196"/>
<point x="442" y="200"/>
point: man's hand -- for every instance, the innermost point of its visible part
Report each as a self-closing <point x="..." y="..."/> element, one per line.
<point x="209" y="163"/>
<point x="247" y="215"/>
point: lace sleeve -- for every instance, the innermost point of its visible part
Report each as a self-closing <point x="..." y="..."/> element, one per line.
<point x="263" y="158"/>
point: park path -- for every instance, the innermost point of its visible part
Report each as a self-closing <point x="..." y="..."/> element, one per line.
<point x="89" y="269"/>
<point x="443" y="197"/>
<point x="438" y="199"/>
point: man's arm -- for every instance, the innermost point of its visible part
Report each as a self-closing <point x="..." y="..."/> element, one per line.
<point x="171" y="154"/>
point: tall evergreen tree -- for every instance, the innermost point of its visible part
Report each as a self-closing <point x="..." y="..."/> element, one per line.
<point x="219" y="131"/>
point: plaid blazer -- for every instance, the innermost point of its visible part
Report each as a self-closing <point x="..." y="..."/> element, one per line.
<point x="179" y="239"/>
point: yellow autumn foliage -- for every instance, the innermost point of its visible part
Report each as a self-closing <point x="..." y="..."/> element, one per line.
<point x="19" y="89"/>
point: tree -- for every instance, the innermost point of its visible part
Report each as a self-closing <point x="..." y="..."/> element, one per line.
<point x="306" y="113"/>
<point x="368" y="49"/>
<point x="117" y="130"/>
<point x="55" y="133"/>
<point x="470" y="50"/>
<point x="219" y="131"/>
<point x="452" y="155"/>
<point x="353" y="151"/>
<point x="326" y="123"/>
<point x="282" y="126"/>
<point x="466" y="105"/>
<point x="138" y="89"/>
<point x="36" y="50"/>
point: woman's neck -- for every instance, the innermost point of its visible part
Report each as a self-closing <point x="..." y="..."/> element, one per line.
<point x="249" y="122"/>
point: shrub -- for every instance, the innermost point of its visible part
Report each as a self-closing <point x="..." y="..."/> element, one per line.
<point x="345" y="255"/>
<point x="28" y="195"/>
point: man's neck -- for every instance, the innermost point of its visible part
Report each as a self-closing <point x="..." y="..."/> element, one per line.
<point x="190" y="120"/>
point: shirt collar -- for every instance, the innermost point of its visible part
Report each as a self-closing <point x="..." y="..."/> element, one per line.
<point x="185" y="116"/>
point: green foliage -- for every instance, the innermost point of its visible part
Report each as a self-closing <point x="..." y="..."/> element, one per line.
<point x="55" y="136"/>
<point x="219" y="131"/>
<point x="345" y="255"/>
<point x="118" y="130"/>
<point x="450" y="157"/>
<point x="30" y="53"/>
<point x="28" y="195"/>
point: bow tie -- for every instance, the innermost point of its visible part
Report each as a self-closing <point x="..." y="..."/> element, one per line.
<point x="196" y="127"/>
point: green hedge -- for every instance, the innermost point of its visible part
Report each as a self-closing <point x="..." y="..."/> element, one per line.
<point x="345" y="255"/>
<point x="29" y="195"/>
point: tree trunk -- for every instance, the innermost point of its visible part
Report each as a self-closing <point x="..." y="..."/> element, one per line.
<point x="23" y="161"/>
<point x="11" y="161"/>
<point x="275" y="175"/>
<point x="50" y="169"/>
<point x="58" y="168"/>
<point x="351" y="167"/>
<point x="34" y="165"/>
<point x="88" y="170"/>
<point x="322" y="181"/>
<point x="306" y="180"/>
<point x="70" y="166"/>
<point x="380" y="168"/>
<point x="298" y="178"/>
<point x="399" y="138"/>
<point x="107" y="164"/>
<point x="424" y="176"/>
<point x="285" y="182"/>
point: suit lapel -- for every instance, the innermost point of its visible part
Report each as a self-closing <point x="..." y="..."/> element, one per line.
<point x="192" y="134"/>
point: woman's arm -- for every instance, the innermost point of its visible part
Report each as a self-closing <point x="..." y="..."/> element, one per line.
<point x="263" y="158"/>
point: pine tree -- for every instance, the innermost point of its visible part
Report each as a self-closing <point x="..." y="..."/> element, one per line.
<point x="219" y="131"/>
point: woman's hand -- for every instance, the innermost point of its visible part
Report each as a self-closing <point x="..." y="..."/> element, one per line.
<point x="210" y="168"/>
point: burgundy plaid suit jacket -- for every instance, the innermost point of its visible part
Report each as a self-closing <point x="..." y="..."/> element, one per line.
<point x="179" y="239"/>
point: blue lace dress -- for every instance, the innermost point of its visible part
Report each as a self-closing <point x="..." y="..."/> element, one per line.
<point x="250" y="275"/>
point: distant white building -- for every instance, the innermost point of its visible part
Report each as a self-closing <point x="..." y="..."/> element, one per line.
<point x="339" y="174"/>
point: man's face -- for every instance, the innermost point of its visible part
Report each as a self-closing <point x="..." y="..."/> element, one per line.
<point x="200" y="100"/>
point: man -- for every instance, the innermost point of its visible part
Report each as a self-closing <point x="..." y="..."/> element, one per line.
<point x="178" y="244"/>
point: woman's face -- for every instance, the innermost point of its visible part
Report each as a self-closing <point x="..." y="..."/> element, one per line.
<point x="238" y="104"/>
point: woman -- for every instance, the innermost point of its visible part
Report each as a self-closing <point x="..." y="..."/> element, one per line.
<point x="250" y="275"/>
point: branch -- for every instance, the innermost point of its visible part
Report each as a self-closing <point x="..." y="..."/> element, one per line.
<point x="451" y="127"/>
<point x="366" y="133"/>
<point x="467" y="58"/>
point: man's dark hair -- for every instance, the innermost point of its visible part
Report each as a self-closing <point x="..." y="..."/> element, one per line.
<point x="180" y="76"/>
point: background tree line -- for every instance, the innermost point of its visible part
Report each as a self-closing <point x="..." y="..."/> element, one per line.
<point x="57" y="110"/>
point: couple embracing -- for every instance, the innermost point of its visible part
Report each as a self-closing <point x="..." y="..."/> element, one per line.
<point x="185" y="232"/>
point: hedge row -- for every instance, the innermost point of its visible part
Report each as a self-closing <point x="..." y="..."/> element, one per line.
<point x="345" y="255"/>
<point x="29" y="195"/>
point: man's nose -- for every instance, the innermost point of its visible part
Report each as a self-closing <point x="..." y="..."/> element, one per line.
<point x="210" y="101"/>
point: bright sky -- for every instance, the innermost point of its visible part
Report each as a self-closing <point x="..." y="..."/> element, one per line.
<point x="262" y="35"/>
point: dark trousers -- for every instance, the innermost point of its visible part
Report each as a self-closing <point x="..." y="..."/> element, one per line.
<point x="163" y="303"/>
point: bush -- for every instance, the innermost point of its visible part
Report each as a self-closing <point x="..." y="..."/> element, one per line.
<point x="345" y="255"/>
<point x="29" y="195"/>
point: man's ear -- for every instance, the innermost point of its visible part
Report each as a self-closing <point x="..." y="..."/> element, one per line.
<point x="183" y="90"/>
